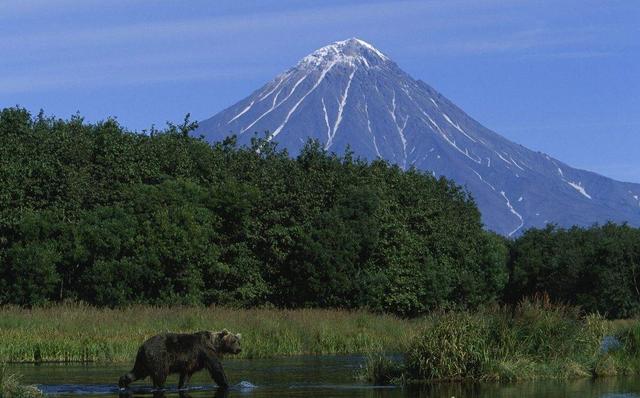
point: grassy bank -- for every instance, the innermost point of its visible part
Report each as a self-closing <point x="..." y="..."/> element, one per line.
<point x="11" y="387"/>
<point x="85" y="333"/>
<point x="534" y="341"/>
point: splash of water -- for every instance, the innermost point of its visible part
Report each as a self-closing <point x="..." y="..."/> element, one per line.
<point x="244" y="385"/>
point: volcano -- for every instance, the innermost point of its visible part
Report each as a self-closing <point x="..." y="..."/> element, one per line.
<point x="350" y="95"/>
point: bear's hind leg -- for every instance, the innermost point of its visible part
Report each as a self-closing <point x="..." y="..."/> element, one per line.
<point x="125" y="380"/>
<point x="135" y="374"/>
<point x="158" y="380"/>
<point x="138" y="372"/>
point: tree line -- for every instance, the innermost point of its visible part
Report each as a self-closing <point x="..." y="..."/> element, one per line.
<point x="597" y="268"/>
<point x="93" y="212"/>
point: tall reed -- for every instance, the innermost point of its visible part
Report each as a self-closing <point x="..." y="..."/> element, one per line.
<point x="11" y="386"/>
<point x="536" y="340"/>
<point x="76" y="332"/>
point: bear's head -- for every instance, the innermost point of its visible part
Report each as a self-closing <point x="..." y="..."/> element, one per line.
<point x="225" y="342"/>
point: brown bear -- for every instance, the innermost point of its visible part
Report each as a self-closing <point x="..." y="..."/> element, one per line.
<point x="168" y="353"/>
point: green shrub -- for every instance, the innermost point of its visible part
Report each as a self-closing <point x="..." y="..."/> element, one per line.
<point x="455" y="346"/>
<point x="534" y="340"/>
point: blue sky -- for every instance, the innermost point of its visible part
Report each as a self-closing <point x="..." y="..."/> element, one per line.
<point x="559" y="76"/>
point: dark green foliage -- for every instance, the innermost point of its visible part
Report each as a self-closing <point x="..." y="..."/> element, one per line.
<point x="93" y="212"/>
<point x="596" y="268"/>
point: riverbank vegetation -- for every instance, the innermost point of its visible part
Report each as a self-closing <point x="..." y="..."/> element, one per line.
<point x="11" y="386"/>
<point x="81" y="333"/>
<point x="535" y="340"/>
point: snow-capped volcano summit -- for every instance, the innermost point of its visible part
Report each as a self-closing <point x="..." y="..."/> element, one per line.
<point x="351" y="51"/>
<point x="350" y="94"/>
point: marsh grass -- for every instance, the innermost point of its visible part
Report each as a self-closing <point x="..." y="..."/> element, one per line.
<point x="11" y="387"/>
<point x="536" y="340"/>
<point x="75" y="332"/>
<point x="381" y="369"/>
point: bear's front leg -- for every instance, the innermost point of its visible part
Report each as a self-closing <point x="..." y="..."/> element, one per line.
<point x="213" y="365"/>
<point x="184" y="380"/>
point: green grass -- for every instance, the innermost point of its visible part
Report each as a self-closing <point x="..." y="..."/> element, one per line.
<point x="536" y="341"/>
<point x="380" y="369"/>
<point x="79" y="333"/>
<point x="11" y="387"/>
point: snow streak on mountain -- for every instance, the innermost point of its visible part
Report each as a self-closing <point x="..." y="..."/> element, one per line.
<point x="349" y="93"/>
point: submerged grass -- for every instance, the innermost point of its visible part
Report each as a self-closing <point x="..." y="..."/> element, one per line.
<point x="75" y="332"/>
<point x="11" y="387"/>
<point x="536" y="340"/>
<point x="380" y="369"/>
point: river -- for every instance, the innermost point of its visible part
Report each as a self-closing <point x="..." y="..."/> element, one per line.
<point x="307" y="376"/>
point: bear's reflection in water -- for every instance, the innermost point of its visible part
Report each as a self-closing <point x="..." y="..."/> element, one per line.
<point x="219" y="393"/>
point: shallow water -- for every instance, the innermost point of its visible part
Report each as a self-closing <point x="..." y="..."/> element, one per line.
<point x="308" y="377"/>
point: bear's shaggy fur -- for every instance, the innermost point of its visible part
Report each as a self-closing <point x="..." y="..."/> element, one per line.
<point x="168" y="353"/>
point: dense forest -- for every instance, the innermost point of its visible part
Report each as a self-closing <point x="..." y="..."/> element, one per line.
<point x="597" y="268"/>
<point x="96" y="213"/>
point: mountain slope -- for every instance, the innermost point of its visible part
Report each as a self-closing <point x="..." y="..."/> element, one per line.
<point x="351" y="94"/>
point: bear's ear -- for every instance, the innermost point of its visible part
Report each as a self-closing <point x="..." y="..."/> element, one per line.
<point x="224" y="332"/>
<point x="238" y="336"/>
